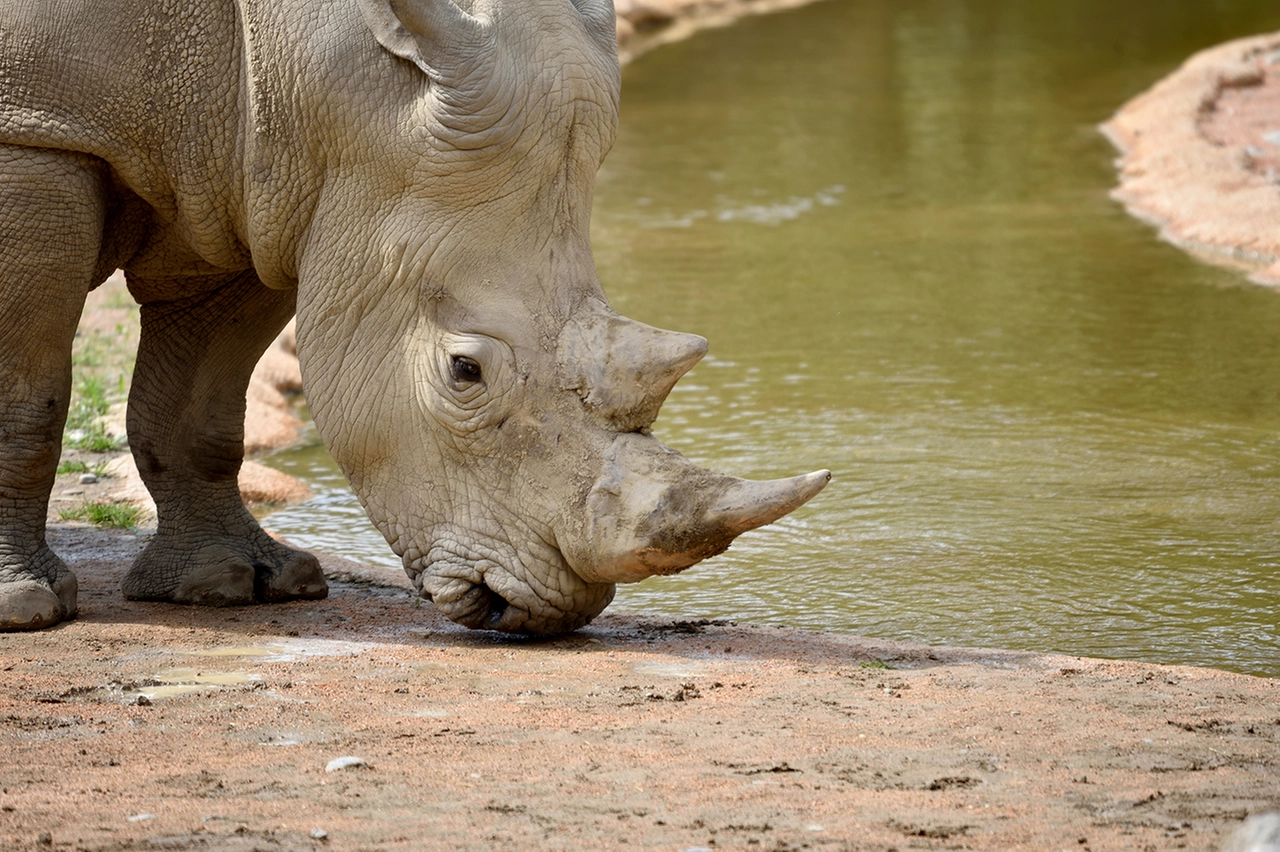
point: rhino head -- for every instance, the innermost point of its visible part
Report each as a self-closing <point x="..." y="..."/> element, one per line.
<point x="463" y="366"/>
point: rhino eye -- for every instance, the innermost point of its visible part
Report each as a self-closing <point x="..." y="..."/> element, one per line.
<point x="465" y="370"/>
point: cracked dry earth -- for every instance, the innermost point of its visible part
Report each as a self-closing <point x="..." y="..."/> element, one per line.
<point x="148" y="726"/>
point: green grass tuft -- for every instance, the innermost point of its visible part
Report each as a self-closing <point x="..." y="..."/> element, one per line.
<point x="94" y="439"/>
<point x="88" y="403"/>
<point x="104" y="514"/>
<point x="75" y="466"/>
<point x="874" y="664"/>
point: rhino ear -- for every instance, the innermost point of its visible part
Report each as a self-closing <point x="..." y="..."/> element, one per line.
<point x="601" y="21"/>
<point x="447" y="43"/>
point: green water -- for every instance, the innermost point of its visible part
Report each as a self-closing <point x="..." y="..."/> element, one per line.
<point x="891" y="219"/>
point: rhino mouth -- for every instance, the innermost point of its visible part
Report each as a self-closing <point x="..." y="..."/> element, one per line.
<point x="483" y="593"/>
<point x="474" y="605"/>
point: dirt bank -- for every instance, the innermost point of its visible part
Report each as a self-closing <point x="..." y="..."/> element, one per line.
<point x="1200" y="155"/>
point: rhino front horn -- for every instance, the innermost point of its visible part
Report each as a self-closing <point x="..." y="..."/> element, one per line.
<point x="652" y="512"/>
<point x="746" y="505"/>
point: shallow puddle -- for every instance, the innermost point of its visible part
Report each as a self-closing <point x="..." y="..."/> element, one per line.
<point x="173" y="683"/>
<point x="287" y="652"/>
<point x="185" y="680"/>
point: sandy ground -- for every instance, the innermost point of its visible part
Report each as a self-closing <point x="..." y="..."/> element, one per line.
<point x="150" y="726"/>
<point x="147" y="726"/>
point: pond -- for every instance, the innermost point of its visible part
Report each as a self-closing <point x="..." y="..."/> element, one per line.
<point x="891" y="219"/>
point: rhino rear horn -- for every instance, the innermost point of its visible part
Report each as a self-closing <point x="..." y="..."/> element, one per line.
<point x="624" y="369"/>
<point x="448" y="44"/>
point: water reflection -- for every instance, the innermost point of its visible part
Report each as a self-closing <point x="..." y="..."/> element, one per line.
<point x="891" y="220"/>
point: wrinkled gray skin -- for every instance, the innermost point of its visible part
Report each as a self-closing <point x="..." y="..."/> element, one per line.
<point x="415" y="179"/>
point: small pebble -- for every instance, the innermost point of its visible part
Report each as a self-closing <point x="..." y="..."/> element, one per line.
<point x="141" y="817"/>
<point x="1259" y="833"/>
<point x="344" y="763"/>
<point x="319" y="834"/>
<point x="143" y="701"/>
<point x="88" y="479"/>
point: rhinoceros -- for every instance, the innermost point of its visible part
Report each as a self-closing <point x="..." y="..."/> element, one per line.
<point x="414" y="178"/>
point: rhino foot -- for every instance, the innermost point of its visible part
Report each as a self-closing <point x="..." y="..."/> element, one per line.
<point x="40" y="595"/>
<point x="256" y="570"/>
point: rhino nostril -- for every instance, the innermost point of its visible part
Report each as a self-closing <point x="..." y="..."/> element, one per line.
<point x="479" y="607"/>
<point x="497" y="608"/>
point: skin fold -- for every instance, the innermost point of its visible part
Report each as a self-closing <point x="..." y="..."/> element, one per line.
<point x="414" y="179"/>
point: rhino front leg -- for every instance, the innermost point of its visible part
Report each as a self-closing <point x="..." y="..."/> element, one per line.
<point x="186" y="430"/>
<point x="51" y="221"/>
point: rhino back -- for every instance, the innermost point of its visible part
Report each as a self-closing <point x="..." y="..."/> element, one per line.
<point x="152" y="89"/>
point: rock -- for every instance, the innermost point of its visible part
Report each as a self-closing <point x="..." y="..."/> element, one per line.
<point x="258" y="484"/>
<point x="625" y="30"/>
<point x="650" y="13"/>
<point x="340" y="763"/>
<point x="261" y="484"/>
<point x="1259" y="833"/>
<point x="278" y="366"/>
<point x="88" y="479"/>
<point x="319" y="834"/>
<point x="269" y="421"/>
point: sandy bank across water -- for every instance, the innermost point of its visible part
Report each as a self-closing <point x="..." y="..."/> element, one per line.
<point x="1200" y="155"/>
